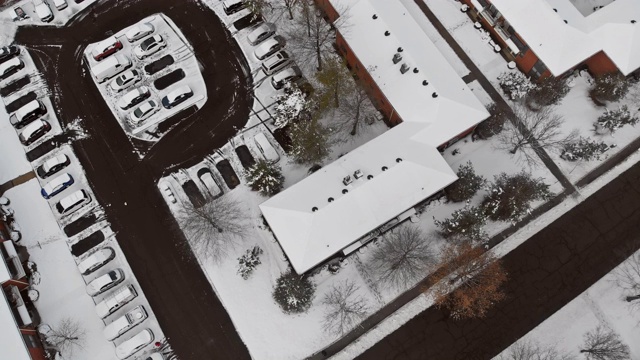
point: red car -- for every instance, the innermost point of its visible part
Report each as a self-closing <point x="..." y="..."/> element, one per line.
<point x="105" y="48"/>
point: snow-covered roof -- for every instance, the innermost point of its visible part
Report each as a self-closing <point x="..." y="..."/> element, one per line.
<point x="562" y="45"/>
<point x="12" y="345"/>
<point x="5" y="275"/>
<point x="308" y="225"/>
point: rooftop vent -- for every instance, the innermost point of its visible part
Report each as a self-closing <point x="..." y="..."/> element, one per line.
<point x="314" y="209"/>
<point x="369" y="177"/>
<point x="404" y="68"/>
<point x="347" y="180"/>
<point x="566" y="22"/>
<point x="633" y="21"/>
<point x="344" y="191"/>
<point x="387" y="33"/>
<point x="374" y="16"/>
<point x="434" y="95"/>
<point x="400" y="49"/>
<point x="554" y="9"/>
<point x="398" y="160"/>
<point x="384" y="168"/>
<point x="415" y="70"/>
<point x="357" y="174"/>
<point x="425" y="83"/>
<point x="330" y="199"/>
<point x="396" y="58"/>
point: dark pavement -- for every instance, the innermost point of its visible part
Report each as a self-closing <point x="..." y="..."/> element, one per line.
<point x="179" y="293"/>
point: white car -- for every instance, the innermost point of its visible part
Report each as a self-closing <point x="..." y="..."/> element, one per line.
<point x="149" y="46"/>
<point x="125" y="80"/>
<point x="135" y="344"/>
<point x="44" y="11"/>
<point x="114" y="302"/>
<point x="52" y="166"/>
<point x="209" y="182"/>
<point x="262" y="143"/>
<point x="125" y="323"/>
<point x="261" y="33"/>
<point x="269" y="47"/>
<point x="133" y="97"/>
<point x="9" y="66"/>
<point x="290" y="74"/>
<point x="72" y="202"/>
<point x="60" y="4"/>
<point x="105" y="282"/>
<point x="143" y="112"/>
<point x="139" y="31"/>
<point x="57" y="185"/>
<point x="96" y="260"/>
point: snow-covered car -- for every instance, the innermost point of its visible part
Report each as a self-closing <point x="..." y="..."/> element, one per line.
<point x="167" y="193"/>
<point x="125" y="80"/>
<point x="52" y="165"/>
<point x="290" y="74"/>
<point x="7" y="68"/>
<point x="135" y="344"/>
<point x="60" y="4"/>
<point x="115" y="301"/>
<point x="265" y="147"/>
<point x="72" y="202"/>
<point x="149" y="46"/>
<point x="105" y="282"/>
<point x="34" y="131"/>
<point x="276" y="62"/>
<point x="155" y="356"/>
<point x="7" y="52"/>
<point x="56" y="185"/>
<point x="125" y="323"/>
<point x="233" y="6"/>
<point x="269" y="47"/>
<point x="209" y="182"/>
<point x="133" y="97"/>
<point x="177" y="96"/>
<point x="138" y="31"/>
<point x="27" y="113"/>
<point x="261" y="33"/>
<point x="105" y="48"/>
<point x="43" y="11"/>
<point x="143" y="111"/>
<point x="96" y="260"/>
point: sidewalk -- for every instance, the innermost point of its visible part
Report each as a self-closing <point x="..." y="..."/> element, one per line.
<point x="16" y="181"/>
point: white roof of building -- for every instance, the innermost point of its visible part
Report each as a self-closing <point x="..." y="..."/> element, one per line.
<point x="12" y="345"/>
<point x="561" y="46"/>
<point x="309" y="237"/>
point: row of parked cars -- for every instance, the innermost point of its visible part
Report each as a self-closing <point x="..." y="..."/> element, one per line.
<point x="111" y="63"/>
<point x="42" y="10"/>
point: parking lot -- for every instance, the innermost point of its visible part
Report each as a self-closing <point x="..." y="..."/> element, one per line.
<point x="168" y="68"/>
<point x="62" y="11"/>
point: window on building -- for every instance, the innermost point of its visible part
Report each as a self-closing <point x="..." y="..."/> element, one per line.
<point x="484" y="3"/>
<point x="538" y="69"/>
<point x="516" y="40"/>
<point x="31" y="341"/>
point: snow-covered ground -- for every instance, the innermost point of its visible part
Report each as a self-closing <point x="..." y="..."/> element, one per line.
<point x="179" y="48"/>
<point x="60" y="17"/>
<point x="13" y="161"/>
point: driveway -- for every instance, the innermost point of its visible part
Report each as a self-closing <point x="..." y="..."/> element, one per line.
<point x="186" y="306"/>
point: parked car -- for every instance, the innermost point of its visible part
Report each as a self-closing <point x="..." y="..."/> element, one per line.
<point x="275" y="62"/>
<point x="138" y="31"/>
<point x="135" y="344"/>
<point x="7" y="52"/>
<point x="265" y="147"/>
<point x="34" y="131"/>
<point x="261" y="33"/>
<point x="125" y="323"/>
<point x="73" y="202"/>
<point x="134" y="97"/>
<point x="57" y="185"/>
<point x="105" y="282"/>
<point x="27" y="113"/>
<point x="43" y="11"/>
<point x="177" y="96"/>
<point x="115" y="301"/>
<point x="233" y="6"/>
<point x="52" y="165"/>
<point x="156" y="356"/>
<point x="18" y="14"/>
<point x="149" y="46"/>
<point x="143" y="111"/>
<point x="96" y="260"/>
<point x="290" y="74"/>
<point x="105" y="48"/>
<point x="269" y="47"/>
<point x="111" y="67"/>
<point x="125" y="80"/>
<point x="209" y="182"/>
<point x="167" y="193"/>
<point x="9" y="67"/>
<point x="60" y="4"/>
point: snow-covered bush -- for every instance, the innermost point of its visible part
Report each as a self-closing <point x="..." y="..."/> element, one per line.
<point x="294" y="293"/>
<point x="549" y="91"/>
<point x="291" y="106"/>
<point x="265" y="177"/>
<point x="467" y="222"/>
<point x="248" y="262"/>
<point x="492" y="125"/>
<point x="584" y="149"/>
<point x="467" y="185"/>
<point x="613" y="120"/>
<point x="515" y="85"/>
<point x="310" y="143"/>
<point x="610" y="87"/>
<point x="509" y="197"/>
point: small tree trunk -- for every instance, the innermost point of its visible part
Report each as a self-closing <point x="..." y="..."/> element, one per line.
<point x="318" y="55"/>
<point x="515" y="149"/>
<point x="290" y="11"/>
<point x="357" y="119"/>
<point x="632" y="298"/>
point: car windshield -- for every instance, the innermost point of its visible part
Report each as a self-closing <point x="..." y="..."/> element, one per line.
<point x="139" y="112"/>
<point x="113" y="275"/>
<point x="148" y="43"/>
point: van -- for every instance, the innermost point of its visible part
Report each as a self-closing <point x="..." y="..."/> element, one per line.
<point x="119" y="298"/>
<point x="44" y="11"/>
<point x="125" y="323"/>
<point x="72" y="202"/>
<point x="28" y="113"/>
<point x="276" y="62"/>
<point x="265" y="147"/>
<point x="233" y="6"/>
<point x="110" y="67"/>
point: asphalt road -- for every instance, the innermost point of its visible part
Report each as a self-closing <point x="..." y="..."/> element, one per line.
<point x="546" y="272"/>
<point x="187" y="309"/>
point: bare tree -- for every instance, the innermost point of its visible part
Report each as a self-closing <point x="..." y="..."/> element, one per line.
<point x="468" y="281"/>
<point x="258" y="7"/>
<point x="310" y="45"/>
<point x="404" y="256"/>
<point x="529" y="350"/>
<point x="628" y="279"/>
<point x="529" y="132"/>
<point x="289" y="5"/>
<point x="214" y="228"/>
<point x="355" y="113"/>
<point x="66" y="336"/>
<point x="604" y="344"/>
<point x="345" y="308"/>
<point x="335" y="79"/>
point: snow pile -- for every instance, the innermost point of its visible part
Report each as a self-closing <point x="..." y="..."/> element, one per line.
<point x="76" y="131"/>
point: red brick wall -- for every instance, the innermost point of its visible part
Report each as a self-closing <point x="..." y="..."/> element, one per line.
<point x="36" y="353"/>
<point x="21" y="284"/>
<point x="601" y="64"/>
<point x="328" y="9"/>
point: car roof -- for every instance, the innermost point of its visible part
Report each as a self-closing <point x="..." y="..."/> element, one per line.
<point x="179" y="91"/>
<point x="137" y="28"/>
<point x="27" y="108"/>
<point x="9" y="63"/>
<point x="102" y="45"/>
<point x="102" y="280"/>
<point x="134" y="93"/>
<point x="275" y="58"/>
<point x="260" y="29"/>
<point x="51" y="162"/>
<point x="57" y="181"/>
<point x="33" y="127"/>
<point x="285" y="73"/>
<point x="73" y="198"/>
<point x="96" y="257"/>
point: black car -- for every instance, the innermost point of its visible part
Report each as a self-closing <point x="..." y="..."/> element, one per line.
<point x="7" y="52"/>
<point x="177" y="96"/>
<point x="52" y="166"/>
